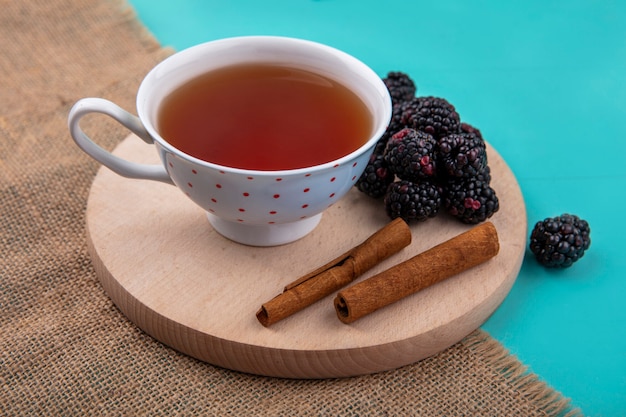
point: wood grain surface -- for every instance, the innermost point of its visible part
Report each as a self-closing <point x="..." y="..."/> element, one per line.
<point x="177" y="279"/>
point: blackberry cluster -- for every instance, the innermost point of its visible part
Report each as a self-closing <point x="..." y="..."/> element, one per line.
<point x="469" y="196"/>
<point x="558" y="242"/>
<point x="428" y="160"/>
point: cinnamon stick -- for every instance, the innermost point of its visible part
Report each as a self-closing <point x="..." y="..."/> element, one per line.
<point x="336" y="274"/>
<point x="456" y="255"/>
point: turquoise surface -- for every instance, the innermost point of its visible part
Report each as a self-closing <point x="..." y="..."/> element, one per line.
<point x="546" y="84"/>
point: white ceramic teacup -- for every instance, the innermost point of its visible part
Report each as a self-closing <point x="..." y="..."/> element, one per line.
<point x="260" y="208"/>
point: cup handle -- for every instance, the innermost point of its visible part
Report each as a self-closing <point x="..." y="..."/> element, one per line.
<point x="116" y="164"/>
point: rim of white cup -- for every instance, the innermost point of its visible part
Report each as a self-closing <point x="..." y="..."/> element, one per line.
<point x="183" y="56"/>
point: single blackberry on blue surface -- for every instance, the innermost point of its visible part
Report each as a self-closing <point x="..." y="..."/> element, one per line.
<point x="411" y="155"/>
<point x="462" y="155"/>
<point x="411" y="201"/>
<point x="401" y="87"/>
<point x="433" y="115"/>
<point x="471" y="200"/>
<point x="376" y="177"/>
<point x="558" y="242"/>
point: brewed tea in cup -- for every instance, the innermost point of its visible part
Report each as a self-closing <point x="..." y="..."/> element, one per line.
<point x="264" y="117"/>
<point x="263" y="133"/>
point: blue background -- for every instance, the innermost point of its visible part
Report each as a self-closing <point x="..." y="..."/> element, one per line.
<point x="545" y="83"/>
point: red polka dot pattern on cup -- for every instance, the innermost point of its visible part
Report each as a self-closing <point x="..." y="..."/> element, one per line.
<point x="314" y="186"/>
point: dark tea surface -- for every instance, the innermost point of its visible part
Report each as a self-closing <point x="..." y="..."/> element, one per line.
<point x="264" y="117"/>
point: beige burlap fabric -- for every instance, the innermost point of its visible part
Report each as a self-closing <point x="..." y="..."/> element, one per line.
<point x="64" y="347"/>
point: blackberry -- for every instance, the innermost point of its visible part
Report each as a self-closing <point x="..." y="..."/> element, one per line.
<point x="433" y="115"/>
<point x="462" y="155"/>
<point x="411" y="155"/>
<point x="471" y="200"/>
<point x="468" y="128"/>
<point x="381" y="145"/>
<point x="411" y="201"/>
<point x="484" y="175"/>
<point x="376" y="177"/>
<point x="558" y="242"/>
<point x="401" y="87"/>
<point x="395" y="125"/>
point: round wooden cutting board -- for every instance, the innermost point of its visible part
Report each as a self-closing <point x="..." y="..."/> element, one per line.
<point x="185" y="285"/>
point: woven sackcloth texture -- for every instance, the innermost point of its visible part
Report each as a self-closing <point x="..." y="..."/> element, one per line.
<point x="65" y="349"/>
